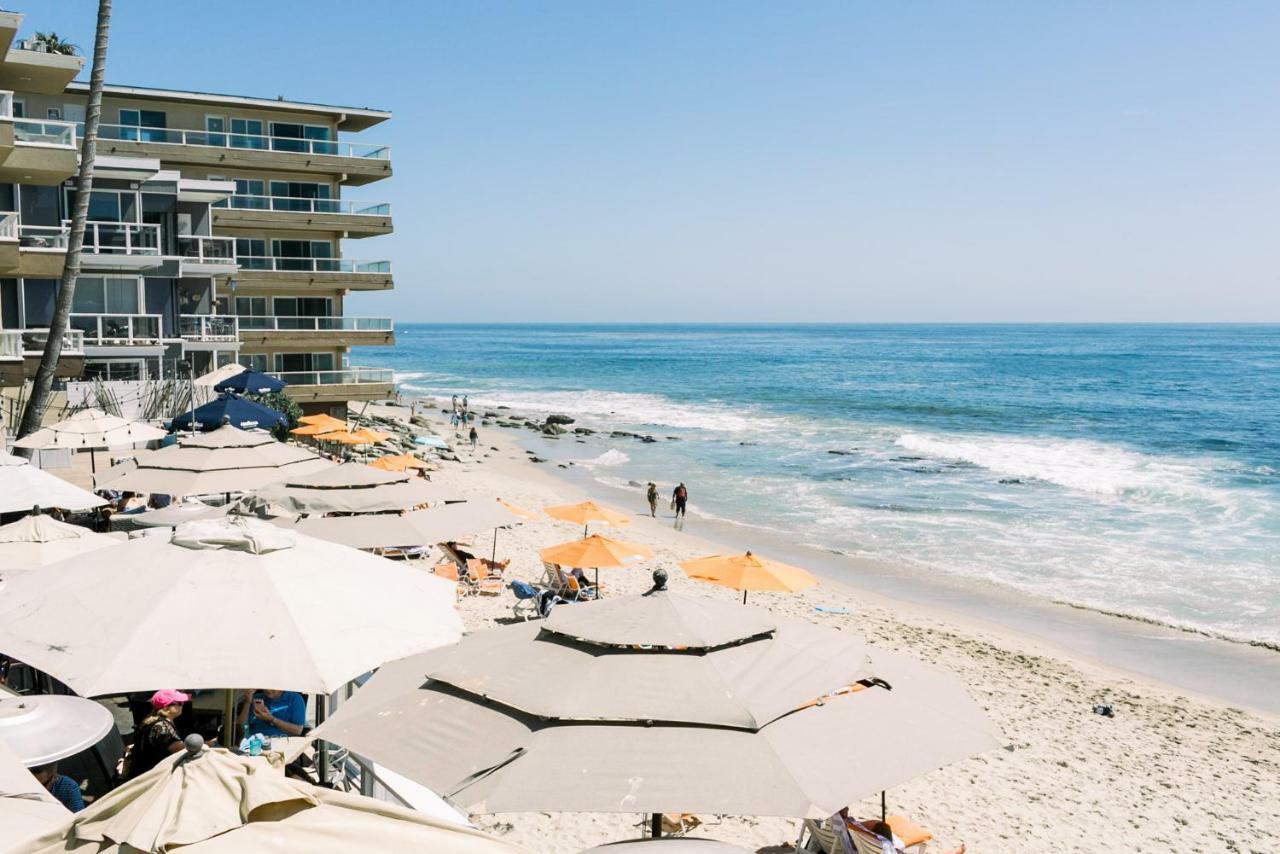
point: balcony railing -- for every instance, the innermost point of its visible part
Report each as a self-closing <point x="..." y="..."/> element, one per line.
<point x="345" y="376"/>
<point x="32" y="341"/>
<point x="296" y="204"/>
<point x="250" y="142"/>
<point x="279" y="323"/>
<point x="8" y="225"/>
<point x="118" y="328"/>
<point x="209" y="327"/>
<point x="207" y="249"/>
<point x="312" y="265"/>
<point x="120" y="238"/>
<point x="43" y="237"/>
<point x="44" y="132"/>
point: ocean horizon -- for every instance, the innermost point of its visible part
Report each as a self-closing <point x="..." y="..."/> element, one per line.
<point x="1127" y="468"/>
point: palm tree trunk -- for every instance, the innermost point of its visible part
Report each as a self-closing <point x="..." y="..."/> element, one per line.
<point x="33" y="414"/>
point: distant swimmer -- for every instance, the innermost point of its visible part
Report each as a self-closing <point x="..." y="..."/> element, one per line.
<point x="653" y="499"/>
<point x="680" y="498"/>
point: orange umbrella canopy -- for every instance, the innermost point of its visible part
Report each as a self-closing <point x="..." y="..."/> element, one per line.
<point x="398" y="462"/>
<point x="519" y="511"/>
<point x="316" y="429"/>
<point x="586" y="512"/>
<point x="594" y="552"/>
<point x="363" y="436"/>
<point x="748" y="572"/>
<point x="323" y="419"/>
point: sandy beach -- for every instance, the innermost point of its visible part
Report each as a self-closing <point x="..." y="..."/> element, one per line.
<point x="1169" y="772"/>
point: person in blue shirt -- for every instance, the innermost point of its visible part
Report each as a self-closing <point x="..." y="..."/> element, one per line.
<point x="273" y="713"/>
<point x="60" y="786"/>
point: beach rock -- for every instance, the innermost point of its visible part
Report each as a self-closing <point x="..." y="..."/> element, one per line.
<point x="748" y="444"/>
<point x="531" y="425"/>
<point x="485" y="422"/>
<point x="584" y="431"/>
<point x="553" y="429"/>
<point x="563" y="466"/>
<point x="839" y="453"/>
<point x="536" y="460"/>
<point x="624" y="434"/>
<point x="635" y="483"/>
<point x="504" y="407"/>
<point x="673" y="438"/>
<point x="490" y="414"/>
<point x="492" y="448"/>
<point x="648" y="440"/>
<point x="556" y="418"/>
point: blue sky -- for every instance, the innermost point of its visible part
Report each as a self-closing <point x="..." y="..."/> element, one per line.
<point x="740" y="161"/>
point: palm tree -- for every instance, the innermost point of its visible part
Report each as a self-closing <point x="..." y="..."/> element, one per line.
<point x="53" y="44"/>
<point x="33" y="414"/>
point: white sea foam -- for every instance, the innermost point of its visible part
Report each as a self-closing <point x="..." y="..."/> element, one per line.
<point x="612" y="457"/>
<point x="1078" y="464"/>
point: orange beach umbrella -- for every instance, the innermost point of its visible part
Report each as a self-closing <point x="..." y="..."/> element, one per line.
<point x="363" y="436"/>
<point x="528" y="515"/>
<point x="322" y="418"/>
<point x="748" y="572"/>
<point x="585" y="513"/>
<point x="398" y="462"/>
<point x="594" y="552"/>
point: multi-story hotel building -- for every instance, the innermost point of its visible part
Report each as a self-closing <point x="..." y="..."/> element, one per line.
<point x="216" y="229"/>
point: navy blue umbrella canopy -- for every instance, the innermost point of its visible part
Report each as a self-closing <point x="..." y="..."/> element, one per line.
<point x="237" y="411"/>
<point x="251" y="382"/>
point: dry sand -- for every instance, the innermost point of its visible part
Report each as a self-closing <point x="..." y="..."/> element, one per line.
<point x="1167" y="773"/>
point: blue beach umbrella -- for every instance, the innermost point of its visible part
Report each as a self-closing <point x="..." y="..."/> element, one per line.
<point x="236" y="410"/>
<point x="251" y="382"/>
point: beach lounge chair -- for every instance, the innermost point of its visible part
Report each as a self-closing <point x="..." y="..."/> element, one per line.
<point x="526" y="594"/>
<point x="450" y="572"/>
<point x="478" y="574"/>
<point x="915" y="839"/>
<point x="821" y="838"/>
<point x="554" y="579"/>
<point x="576" y="590"/>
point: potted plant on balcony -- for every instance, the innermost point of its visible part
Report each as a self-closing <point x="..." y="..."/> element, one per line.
<point x="50" y="43"/>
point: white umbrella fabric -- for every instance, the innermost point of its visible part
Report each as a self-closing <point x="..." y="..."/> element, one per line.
<point x="221" y="604"/>
<point x="23" y="486"/>
<point x="347" y="488"/>
<point x="43" y="728"/>
<point x="36" y="540"/>
<point x="26" y="807"/>
<point x="389" y="530"/>
<point x="91" y="430"/>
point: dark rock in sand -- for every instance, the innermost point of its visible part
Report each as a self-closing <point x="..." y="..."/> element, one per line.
<point x="748" y="444"/>
<point x="492" y="448"/>
<point x="419" y="421"/>
<point x="557" y="418"/>
<point x="485" y="422"/>
<point x="1010" y="480"/>
<point x="531" y="425"/>
<point x="648" y="440"/>
<point x="504" y="407"/>
<point x="673" y="438"/>
<point x="563" y="466"/>
<point x="536" y="460"/>
<point x="553" y="429"/>
<point x="637" y="484"/>
<point x="584" y="431"/>
<point x="490" y="414"/>
<point x="839" y="453"/>
<point x="623" y="434"/>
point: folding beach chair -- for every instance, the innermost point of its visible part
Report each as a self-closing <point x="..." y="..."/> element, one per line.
<point x="451" y="572"/>
<point x="526" y="594"/>
<point x="554" y="579"/>
<point x="479" y="577"/>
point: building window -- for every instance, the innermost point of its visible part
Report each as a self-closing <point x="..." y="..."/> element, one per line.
<point x="114" y="369"/>
<point x="303" y="307"/>
<point x="19" y="109"/>
<point x="298" y="362"/>
<point x="305" y="196"/>
<point x="54" y="114"/>
<point x="247" y="133"/>
<point x="312" y="255"/>
<point x="289" y="136"/>
<point x="143" y="125"/>
<point x="251" y="306"/>
<point x="251" y="253"/>
<point x="255" y="362"/>
<point x="106" y="296"/>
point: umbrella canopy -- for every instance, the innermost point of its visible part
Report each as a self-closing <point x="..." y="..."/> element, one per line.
<point x="26" y="807"/>
<point x="748" y="572"/>
<point x="23" y="486"/>
<point x="669" y="845"/>
<point x="217" y="375"/>
<point x="36" y="540"/>
<point x="210" y="800"/>
<point x="348" y="488"/>
<point x="390" y="530"/>
<point x="44" y="728"/>
<point x="251" y="382"/>
<point x="585" y="513"/>
<point x="227" y="459"/>
<point x="527" y="515"/>
<point x="810" y="748"/>
<point x="221" y="604"/>
<point x="227" y="409"/>
<point x="363" y="436"/>
<point x="315" y="424"/>
<point x="398" y="462"/>
<point x="594" y="552"/>
<point x="91" y="429"/>
<point x="188" y="510"/>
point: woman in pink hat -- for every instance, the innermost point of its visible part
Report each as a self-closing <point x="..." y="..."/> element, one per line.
<point x="156" y="737"/>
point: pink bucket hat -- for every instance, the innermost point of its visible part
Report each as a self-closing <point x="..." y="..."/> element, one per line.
<point x="167" y="697"/>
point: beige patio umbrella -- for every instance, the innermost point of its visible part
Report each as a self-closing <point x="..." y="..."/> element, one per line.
<point x="804" y="741"/>
<point x="346" y="488"/>
<point x="421" y="527"/>
<point x="91" y="430"/>
<point x="210" y="800"/>
<point x="36" y="540"/>
<point x="224" y="460"/>
<point x="23" y="486"/>
<point x="224" y="603"/>
<point x="26" y="807"/>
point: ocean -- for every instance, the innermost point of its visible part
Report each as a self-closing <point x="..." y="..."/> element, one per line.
<point x="1133" y="469"/>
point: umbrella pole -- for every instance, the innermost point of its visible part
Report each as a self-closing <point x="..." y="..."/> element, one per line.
<point x="93" y="461"/>
<point x="322" y="749"/>
<point x="597" y="582"/>
<point x="229" y="721"/>
<point x="494" y="557"/>
<point x="744" y="597"/>
<point x="883" y="810"/>
<point x="656" y="825"/>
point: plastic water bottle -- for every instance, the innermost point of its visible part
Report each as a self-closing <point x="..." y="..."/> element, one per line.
<point x="255" y="745"/>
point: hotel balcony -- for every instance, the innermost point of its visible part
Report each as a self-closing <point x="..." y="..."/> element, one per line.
<point x="339" y="386"/>
<point x="35" y="151"/>
<point x="289" y="332"/>
<point x="289" y="275"/>
<point x="30" y="251"/>
<point x="353" y="219"/>
<point x="39" y="251"/>
<point x="119" y="330"/>
<point x="28" y="67"/>
<point x="21" y="349"/>
<point x="120" y="246"/>
<point x="205" y="255"/>
<point x="354" y="163"/>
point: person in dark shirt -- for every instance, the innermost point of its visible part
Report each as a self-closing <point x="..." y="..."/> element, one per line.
<point x="156" y="737"/>
<point x="60" y="786"/>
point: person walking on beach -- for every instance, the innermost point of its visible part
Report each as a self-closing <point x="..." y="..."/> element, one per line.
<point x="475" y="437"/>
<point x="465" y="406"/>
<point x="454" y="405"/>
<point x="680" y="497"/>
<point x="653" y="499"/>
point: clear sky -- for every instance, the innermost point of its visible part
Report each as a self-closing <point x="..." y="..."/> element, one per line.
<point x="600" y="160"/>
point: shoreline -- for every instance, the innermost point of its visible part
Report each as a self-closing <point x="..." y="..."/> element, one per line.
<point x="1149" y="778"/>
<point x="1234" y="672"/>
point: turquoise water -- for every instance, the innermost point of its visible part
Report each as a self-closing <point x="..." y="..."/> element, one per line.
<point x="1133" y="469"/>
